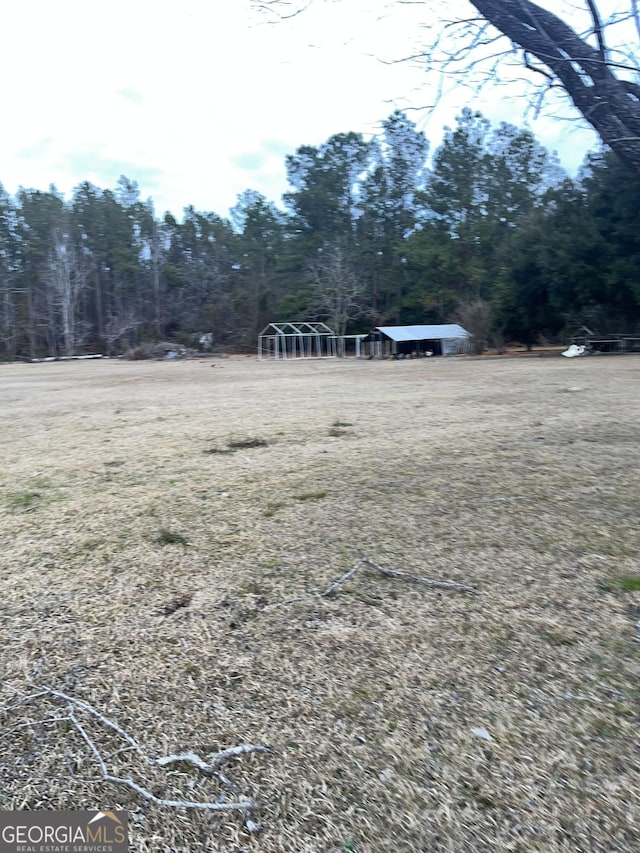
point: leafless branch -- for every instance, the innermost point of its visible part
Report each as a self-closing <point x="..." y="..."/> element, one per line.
<point x="585" y="72"/>
<point x="31" y="723"/>
<point x="404" y="576"/>
<point x="210" y="767"/>
<point x="214" y="762"/>
<point x="598" y="30"/>
<point x="139" y="789"/>
<point x="536" y="68"/>
<point x="626" y="139"/>
<point x="635" y="13"/>
<point x="343" y="578"/>
<point x="80" y="703"/>
<point x="274" y="6"/>
<point x="335" y="286"/>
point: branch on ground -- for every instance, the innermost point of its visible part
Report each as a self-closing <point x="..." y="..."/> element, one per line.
<point x="210" y="767"/>
<point x="403" y="576"/>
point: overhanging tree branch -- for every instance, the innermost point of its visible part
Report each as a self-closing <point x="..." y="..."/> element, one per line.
<point x="600" y="79"/>
<point x="584" y="71"/>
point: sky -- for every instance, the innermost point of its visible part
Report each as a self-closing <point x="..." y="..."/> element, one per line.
<point x="200" y="100"/>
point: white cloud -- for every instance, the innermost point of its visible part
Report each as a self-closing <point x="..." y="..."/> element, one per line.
<point x="200" y="101"/>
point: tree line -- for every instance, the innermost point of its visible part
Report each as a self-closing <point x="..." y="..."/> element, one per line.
<point x="489" y="231"/>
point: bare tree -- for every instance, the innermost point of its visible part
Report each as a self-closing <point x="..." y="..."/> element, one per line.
<point x="67" y="280"/>
<point x="119" y="324"/>
<point x="336" y="289"/>
<point x="474" y="315"/>
<point x="8" y="269"/>
<point x="8" y="328"/>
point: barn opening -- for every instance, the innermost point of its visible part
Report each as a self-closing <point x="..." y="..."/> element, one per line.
<point x="417" y="341"/>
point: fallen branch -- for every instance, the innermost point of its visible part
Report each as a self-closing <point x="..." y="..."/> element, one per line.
<point x="129" y="783"/>
<point x="344" y="578"/>
<point x="404" y="576"/>
<point x="210" y="767"/>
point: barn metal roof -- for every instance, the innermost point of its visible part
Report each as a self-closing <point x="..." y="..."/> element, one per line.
<point x="423" y="333"/>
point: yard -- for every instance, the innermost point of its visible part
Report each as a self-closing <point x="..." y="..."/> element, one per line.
<point x="169" y="528"/>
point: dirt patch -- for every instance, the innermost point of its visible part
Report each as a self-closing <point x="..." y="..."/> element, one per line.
<point x="178" y="592"/>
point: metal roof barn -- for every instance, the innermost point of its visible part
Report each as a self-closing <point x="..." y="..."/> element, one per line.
<point x="443" y="339"/>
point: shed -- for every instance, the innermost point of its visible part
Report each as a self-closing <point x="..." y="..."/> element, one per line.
<point x="403" y="341"/>
<point x="609" y="343"/>
<point x="302" y="339"/>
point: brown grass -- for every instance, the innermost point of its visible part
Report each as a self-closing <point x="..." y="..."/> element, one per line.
<point x="483" y="472"/>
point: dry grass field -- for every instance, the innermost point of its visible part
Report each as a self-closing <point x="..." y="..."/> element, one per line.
<point x="168" y="529"/>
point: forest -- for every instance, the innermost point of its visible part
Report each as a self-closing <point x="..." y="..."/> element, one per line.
<point x="487" y="230"/>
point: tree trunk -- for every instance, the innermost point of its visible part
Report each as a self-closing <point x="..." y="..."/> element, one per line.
<point x="609" y="104"/>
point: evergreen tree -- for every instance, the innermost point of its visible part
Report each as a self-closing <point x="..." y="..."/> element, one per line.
<point x="9" y="269"/>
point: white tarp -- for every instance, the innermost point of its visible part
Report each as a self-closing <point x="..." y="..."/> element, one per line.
<point x="573" y="351"/>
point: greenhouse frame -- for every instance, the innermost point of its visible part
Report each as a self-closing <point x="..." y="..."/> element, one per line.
<point x="280" y="341"/>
